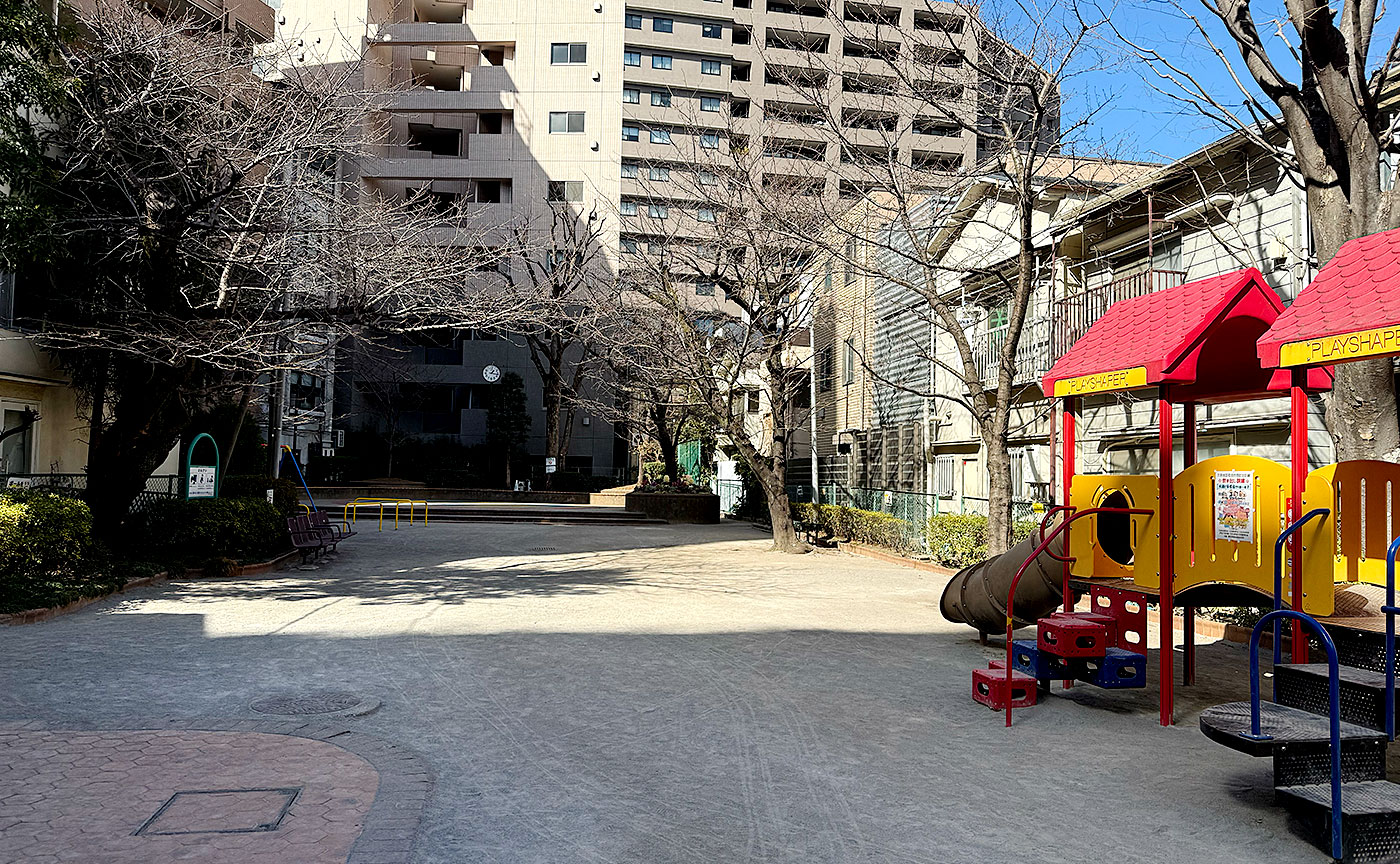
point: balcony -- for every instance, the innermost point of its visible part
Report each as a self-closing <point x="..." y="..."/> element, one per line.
<point x="1075" y="314"/>
<point x="1033" y="354"/>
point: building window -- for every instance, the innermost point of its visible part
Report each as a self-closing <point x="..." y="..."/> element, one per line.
<point x="705" y="214"/>
<point x="661" y="61"/>
<point x="708" y="178"/>
<point x="850" y="260"/>
<point x="566" y="121"/>
<point x="631" y="58"/>
<point x="705" y="289"/>
<point x="752" y="401"/>
<point x="709" y="140"/>
<point x="660" y="99"/>
<point x="659" y="172"/>
<point x="568" y="53"/>
<point x="709" y="103"/>
<point x="943" y="476"/>
<point x="826" y="369"/>
<point x="661" y="136"/>
<point x="628" y="208"/>
<point x="848" y="363"/>
<point x="663" y="25"/>
<point x="631" y="133"/>
<point x="712" y="30"/>
<point x="634" y="21"/>
<point x="631" y="95"/>
<point x="629" y="245"/>
<point x="306" y="391"/>
<point x="709" y="67"/>
<point x="629" y="170"/>
<point x="658" y="211"/>
<point x="565" y="190"/>
<point x="17" y="451"/>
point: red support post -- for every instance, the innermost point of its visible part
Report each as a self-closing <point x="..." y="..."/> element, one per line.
<point x="1188" y="617"/>
<point x="1298" y="405"/>
<point x="1164" y="515"/>
<point x="1069" y="429"/>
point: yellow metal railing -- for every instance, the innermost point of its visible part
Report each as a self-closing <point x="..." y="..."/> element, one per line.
<point x="352" y="509"/>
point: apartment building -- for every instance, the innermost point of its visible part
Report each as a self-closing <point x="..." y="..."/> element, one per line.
<point x="513" y="107"/>
<point x="1227" y="207"/>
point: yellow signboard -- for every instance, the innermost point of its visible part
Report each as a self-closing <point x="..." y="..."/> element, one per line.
<point x="1341" y="347"/>
<point x="1102" y="382"/>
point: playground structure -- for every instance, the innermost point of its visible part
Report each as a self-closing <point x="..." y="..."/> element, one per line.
<point x="351" y="511"/>
<point x="1215" y="533"/>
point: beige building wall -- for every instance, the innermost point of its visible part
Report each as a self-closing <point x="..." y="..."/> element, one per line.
<point x="30" y="380"/>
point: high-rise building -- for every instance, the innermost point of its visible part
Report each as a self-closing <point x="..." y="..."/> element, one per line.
<point x="510" y="108"/>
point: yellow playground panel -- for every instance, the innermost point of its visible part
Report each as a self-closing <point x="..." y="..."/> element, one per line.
<point x="1362" y="498"/>
<point x="1227" y="514"/>
<point x="1114" y="545"/>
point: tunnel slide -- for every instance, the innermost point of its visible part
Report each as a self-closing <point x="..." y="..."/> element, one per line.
<point x="977" y="593"/>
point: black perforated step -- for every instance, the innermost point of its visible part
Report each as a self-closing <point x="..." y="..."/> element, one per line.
<point x="1370" y="817"/>
<point x="1229" y="724"/>
<point x="1304" y="685"/>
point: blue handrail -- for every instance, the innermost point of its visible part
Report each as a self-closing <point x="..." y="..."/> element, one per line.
<point x="1334" y="706"/>
<point x="1278" y="569"/>
<point x="287" y="453"/>
<point x="1390" y="610"/>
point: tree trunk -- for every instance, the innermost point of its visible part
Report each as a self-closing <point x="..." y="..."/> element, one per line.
<point x="661" y="428"/>
<point x="232" y="443"/>
<point x="784" y="534"/>
<point x="999" y="497"/>
<point x="553" y="397"/>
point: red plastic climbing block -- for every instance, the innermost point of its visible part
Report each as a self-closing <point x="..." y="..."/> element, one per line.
<point x="1110" y="625"/>
<point x="1129" y="612"/>
<point x="989" y="686"/>
<point x="1066" y="634"/>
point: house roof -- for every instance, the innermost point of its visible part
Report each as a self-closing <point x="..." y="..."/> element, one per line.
<point x="1195" y="339"/>
<point x="1351" y="311"/>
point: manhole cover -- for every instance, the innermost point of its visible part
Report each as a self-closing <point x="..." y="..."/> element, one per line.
<point x="221" y="811"/>
<point x="315" y="702"/>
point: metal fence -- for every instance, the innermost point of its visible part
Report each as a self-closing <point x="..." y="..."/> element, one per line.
<point x="159" y="487"/>
<point x="731" y="494"/>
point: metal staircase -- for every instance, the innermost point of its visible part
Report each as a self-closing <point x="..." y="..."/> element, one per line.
<point x="1327" y="731"/>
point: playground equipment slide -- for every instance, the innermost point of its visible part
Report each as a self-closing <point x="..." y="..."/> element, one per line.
<point x="977" y="594"/>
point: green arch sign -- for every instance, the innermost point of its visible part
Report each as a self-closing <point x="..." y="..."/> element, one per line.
<point x="202" y="480"/>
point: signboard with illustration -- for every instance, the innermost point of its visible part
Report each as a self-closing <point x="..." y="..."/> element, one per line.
<point x="1234" y="506"/>
<point x="202" y="481"/>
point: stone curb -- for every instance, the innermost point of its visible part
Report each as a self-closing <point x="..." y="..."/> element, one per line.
<point x="34" y="616"/>
<point x="405" y="782"/>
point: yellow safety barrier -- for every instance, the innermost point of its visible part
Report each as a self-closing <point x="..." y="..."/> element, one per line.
<point x="351" y="512"/>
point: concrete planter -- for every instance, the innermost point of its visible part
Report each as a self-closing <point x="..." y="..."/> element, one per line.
<point x="702" y="509"/>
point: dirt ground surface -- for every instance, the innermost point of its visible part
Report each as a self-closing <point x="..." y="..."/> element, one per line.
<point x="638" y="694"/>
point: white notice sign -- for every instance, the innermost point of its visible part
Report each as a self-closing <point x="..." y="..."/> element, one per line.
<point x="1234" y="506"/>
<point x="202" y="481"/>
<point x="551" y="464"/>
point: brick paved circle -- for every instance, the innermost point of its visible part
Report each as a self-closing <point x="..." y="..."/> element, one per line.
<point x="316" y="702"/>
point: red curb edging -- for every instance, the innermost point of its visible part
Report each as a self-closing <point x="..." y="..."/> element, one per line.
<point x="892" y="558"/>
<point x="34" y="616"/>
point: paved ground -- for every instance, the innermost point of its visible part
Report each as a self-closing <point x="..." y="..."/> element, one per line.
<point x="640" y="695"/>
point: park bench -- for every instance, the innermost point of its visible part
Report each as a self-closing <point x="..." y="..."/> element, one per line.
<point x="335" y="531"/>
<point x="306" y="538"/>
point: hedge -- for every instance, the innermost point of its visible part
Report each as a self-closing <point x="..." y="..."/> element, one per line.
<point x="199" y="531"/>
<point x="47" y="557"/>
<point x="286" y="493"/>
<point x="953" y="540"/>
<point x="960" y="541"/>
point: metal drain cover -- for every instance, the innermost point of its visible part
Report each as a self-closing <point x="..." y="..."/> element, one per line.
<point x="314" y="702"/>
<point x="543" y="549"/>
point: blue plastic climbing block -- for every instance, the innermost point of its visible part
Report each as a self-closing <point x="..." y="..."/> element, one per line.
<point x="1118" y="670"/>
<point x="1027" y="658"/>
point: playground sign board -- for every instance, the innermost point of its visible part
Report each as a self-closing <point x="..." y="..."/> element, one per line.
<point x="202" y="481"/>
<point x="1102" y="382"/>
<point x="1343" y="346"/>
<point x="1234" y="506"/>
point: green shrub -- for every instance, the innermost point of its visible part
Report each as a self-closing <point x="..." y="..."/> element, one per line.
<point x="960" y="541"/>
<point x="286" y="492"/>
<point x="190" y="533"/>
<point x="47" y="556"/>
<point x="859" y="526"/>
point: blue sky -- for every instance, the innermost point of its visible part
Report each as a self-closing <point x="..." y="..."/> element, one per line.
<point x="1139" y="121"/>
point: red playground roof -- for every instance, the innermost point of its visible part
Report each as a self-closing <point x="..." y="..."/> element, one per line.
<point x="1196" y="339"/>
<point x="1350" y="311"/>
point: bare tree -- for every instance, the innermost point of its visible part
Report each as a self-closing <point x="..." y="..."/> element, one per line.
<point x="711" y="303"/>
<point x="570" y="282"/>
<point x="1316" y="94"/>
<point x="201" y="232"/>
<point x="952" y="107"/>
